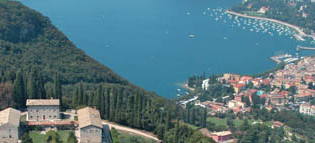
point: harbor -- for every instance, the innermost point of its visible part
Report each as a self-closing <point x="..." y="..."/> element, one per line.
<point x="287" y="58"/>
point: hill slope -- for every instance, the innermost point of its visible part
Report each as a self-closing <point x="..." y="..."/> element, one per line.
<point x="38" y="61"/>
<point x="29" y="39"/>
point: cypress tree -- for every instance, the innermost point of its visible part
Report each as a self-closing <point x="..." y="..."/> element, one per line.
<point x="130" y="113"/>
<point x="31" y="86"/>
<point x="112" y="103"/>
<point x="75" y="97"/>
<point x="106" y="102"/>
<point x="119" y="106"/>
<point x="86" y="99"/>
<point x="57" y="88"/>
<point x="90" y="99"/>
<point x="138" y="109"/>
<point x="40" y="87"/>
<point x="19" y="95"/>
<point x="81" y="94"/>
<point x="204" y="118"/>
<point x="168" y="122"/>
<point x="99" y="98"/>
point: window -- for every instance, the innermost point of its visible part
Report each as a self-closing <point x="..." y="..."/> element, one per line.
<point x="31" y="117"/>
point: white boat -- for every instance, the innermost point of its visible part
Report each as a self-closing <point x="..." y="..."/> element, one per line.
<point x="191" y="36"/>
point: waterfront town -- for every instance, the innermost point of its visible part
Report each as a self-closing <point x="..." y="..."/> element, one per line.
<point x="290" y="88"/>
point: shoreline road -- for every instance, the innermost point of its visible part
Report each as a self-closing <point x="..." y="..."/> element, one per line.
<point x="296" y="28"/>
<point x="131" y="130"/>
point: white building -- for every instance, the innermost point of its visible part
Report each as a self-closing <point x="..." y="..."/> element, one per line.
<point x="43" y="109"/>
<point x="90" y="125"/>
<point x="205" y="84"/>
<point x="9" y="125"/>
<point x="232" y="104"/>
<point x="307" y="109"/>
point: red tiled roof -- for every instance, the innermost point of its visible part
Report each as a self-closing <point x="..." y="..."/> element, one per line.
<point x="232" y="81"/>
<point x="257" y="79"/>
<point x="277" y="96"/>
<point x="246" y="78"/>
<point x="252" y="91"/>
<point x="283" y="93"/>
<point x="266" y="81"/>
<point x="239" y="85"/>
<point x="264" y="96"/>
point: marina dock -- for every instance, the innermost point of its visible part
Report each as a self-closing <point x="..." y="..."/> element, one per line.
<point x="304" y="48"/>
<point x="277" y="59"/>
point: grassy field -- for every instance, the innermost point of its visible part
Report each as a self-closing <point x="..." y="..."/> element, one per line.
<point x="237" y="122"/>
<point x="219" y="121"/>
<point x="125" y="137"/>
<point x="37" y="137"/>
<point x="23" y="118"/>
<point x="40" y="138"/>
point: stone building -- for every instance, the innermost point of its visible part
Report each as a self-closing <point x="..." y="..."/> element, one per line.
<point x="223" y="136"/>
<point x="307" y="109"/>
<point x="9" y="125"/>
<point x="42" y="109"/>
<point x="90" y="125"/>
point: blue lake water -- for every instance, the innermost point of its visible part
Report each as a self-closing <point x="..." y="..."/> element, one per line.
<point x="148" y="43"/>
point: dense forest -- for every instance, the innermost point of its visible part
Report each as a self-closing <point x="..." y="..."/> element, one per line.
<point x="39" y="62"/>
<point x="300" y="13"/>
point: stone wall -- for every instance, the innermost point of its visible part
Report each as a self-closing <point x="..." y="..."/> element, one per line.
<point x="42" y="113"/>
<point x="7" y="132"/>
<point x="91" y="134"/>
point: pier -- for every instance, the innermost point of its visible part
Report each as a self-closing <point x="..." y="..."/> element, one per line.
<point x="304" y="48"/>
<point x="277" y="59"/>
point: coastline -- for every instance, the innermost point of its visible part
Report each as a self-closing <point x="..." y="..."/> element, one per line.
<point x="296" y="28"/>
<point x="189" y="88"/>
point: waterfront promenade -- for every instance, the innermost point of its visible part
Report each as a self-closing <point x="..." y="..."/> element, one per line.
<point x="296" y="28"/>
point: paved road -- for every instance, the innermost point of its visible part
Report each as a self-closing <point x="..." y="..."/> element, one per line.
<point x="130" y="130"/>
<point x="298" y="29"/>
